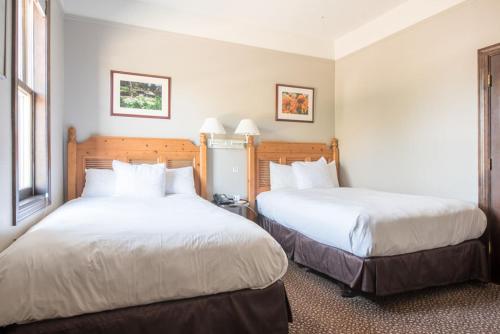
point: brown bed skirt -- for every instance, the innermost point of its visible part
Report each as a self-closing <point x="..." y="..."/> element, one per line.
<point x="245" y="311"/>
<point x="386" y="275"/>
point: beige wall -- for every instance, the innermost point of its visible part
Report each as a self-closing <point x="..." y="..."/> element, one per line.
<point x="209" y="78"/>
<point x="406" y="107"/>
<point x="7" y="232"/>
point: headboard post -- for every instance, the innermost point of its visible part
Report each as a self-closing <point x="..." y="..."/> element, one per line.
<point x="71" y="176"/>
<point x="336" y="154"/>
<point x="203" y="165"/>
<point x="251" y="171"/>
<point x="335" y="148"/>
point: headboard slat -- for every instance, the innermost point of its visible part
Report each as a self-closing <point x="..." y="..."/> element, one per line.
<point x="143" y="161"/>
<point x="98" y="163"/>
<point x="100" y="151"/>
<point x="179" y="163"/>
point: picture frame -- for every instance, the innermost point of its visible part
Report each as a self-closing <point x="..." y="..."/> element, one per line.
<point x="140" y="95"/>
<point x="294" y="103"/>
<point x="3" y="39"/>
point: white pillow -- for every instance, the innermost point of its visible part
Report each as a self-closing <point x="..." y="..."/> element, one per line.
<point x="312" y="174"/>
<point x="99" y="183"/>
<point x="334" y="174"/>
<point x="282" y="176"/>
<point x="180" y="181"/>
<point x="139" y="181"/>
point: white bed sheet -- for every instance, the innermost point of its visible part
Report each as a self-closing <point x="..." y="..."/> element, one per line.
<point x="371" y="223"/>
<point x="96" y="254"/>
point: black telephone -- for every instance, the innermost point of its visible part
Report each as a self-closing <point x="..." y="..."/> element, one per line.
<point x="221" y="199"/>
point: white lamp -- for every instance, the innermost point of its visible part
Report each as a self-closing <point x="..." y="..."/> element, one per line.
<point x="212" y="126"/>
<point x="247" y="127"/>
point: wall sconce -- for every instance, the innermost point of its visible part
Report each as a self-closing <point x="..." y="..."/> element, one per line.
<point x="212" y="126"/>
<point x="247" y="127"/>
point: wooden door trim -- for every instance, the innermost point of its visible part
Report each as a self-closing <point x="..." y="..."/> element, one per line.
<point x="484" y="124"/>
<point x="484" y="171"/>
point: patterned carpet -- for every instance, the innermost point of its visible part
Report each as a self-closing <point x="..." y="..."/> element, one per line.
<point x="318" y="308"/>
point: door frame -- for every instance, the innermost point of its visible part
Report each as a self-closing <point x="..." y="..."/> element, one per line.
<point x="484" y="171"/>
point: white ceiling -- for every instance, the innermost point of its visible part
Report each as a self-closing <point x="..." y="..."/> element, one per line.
<point x="309" y="27"/>
<point x="326" y="19"/>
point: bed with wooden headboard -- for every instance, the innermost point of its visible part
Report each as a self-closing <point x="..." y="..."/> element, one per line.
<point x="100" y="151"/>
<point x="145" y="238"/>
<point x="377" y="275"/>
<point x="258" y="158"/>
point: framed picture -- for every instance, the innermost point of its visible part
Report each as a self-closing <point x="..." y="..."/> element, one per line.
<point x="3" y="39"/>
<point x="294" y="103"/>
<point x="140" y="95"/>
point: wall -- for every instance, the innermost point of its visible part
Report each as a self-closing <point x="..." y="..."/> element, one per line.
<point x="7" y="232"/>
<point x="406" y="107"/>
<point x="209" y="78"/>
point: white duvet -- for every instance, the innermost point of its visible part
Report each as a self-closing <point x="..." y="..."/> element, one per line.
<point x="98" y="254"/>
<point x="371" y="223"/>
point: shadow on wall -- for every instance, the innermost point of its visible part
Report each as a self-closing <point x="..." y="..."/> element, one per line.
<point x="227" y="172"/>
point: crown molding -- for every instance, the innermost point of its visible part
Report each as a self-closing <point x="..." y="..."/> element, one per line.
<point x="395" y="20"/>
<point x="151" y="16"/>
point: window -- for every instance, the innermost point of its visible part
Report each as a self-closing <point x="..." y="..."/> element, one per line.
<point x="31" y="108"/>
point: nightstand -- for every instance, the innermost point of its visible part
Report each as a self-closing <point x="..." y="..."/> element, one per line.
<point x="242" y="208"/>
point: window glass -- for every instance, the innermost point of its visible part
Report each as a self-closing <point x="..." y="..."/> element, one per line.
<point x="29" y="58"/>
<point x="25" y="139"/>
<point x="20" y="39"/>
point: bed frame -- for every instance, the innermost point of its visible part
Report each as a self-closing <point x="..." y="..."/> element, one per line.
<point x="100" y="151"/>
<point x="375" y="276"/>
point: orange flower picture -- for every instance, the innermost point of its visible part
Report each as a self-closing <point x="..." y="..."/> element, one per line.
<point x="294" y="103"/>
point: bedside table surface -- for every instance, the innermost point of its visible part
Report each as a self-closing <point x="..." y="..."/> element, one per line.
<point x="238" y="208"/>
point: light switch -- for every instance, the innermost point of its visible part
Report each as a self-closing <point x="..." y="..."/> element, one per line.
<point x="236" y="170"/>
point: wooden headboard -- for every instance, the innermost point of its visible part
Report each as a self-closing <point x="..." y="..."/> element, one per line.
<point x="100" y="151"/>
<point x="258" y="158"/>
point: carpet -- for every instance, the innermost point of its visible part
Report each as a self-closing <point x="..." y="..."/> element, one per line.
<point x="318" y="307"/>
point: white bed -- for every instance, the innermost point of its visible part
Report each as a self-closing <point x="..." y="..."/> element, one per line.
<point x="371" y="223"/>
<point x="97" y="254"/>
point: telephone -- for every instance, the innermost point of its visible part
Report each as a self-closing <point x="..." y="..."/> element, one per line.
<point x="221" y="199"/>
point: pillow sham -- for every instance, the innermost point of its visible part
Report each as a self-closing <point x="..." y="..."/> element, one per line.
<point x="334" y="174"/>
<point x="281" y="176"/>
<point x="312" y="174"/>
<point x="180" y="181"/>
<point x="139" y="181"/>
<point x="99" y="183"/>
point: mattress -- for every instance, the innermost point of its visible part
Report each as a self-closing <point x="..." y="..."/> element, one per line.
<point x="370" y="223"/>
<point x="96" y="254"/>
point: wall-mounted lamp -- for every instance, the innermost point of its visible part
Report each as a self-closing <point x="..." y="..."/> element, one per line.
<point x="247" y="127"/>
<point x="212" y="126"/>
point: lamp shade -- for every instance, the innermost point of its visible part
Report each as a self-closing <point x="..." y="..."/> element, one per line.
<point x="212" y="125"/>
<point x="247" y="127"/>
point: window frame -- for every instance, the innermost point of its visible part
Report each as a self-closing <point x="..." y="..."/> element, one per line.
<point x="27" y="202"/>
